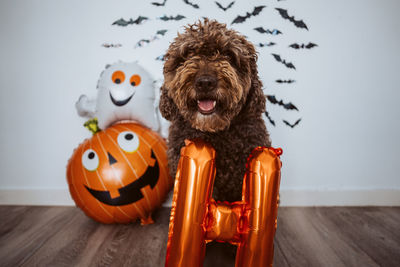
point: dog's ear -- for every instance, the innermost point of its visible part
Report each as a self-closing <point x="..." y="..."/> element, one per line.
<point x="168" y="108"/>
<point x="255" y="103"/>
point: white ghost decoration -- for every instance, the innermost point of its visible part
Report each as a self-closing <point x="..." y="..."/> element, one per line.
<point x="126" y="91"/>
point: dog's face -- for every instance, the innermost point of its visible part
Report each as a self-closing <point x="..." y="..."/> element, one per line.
<point x="208" y="75"/>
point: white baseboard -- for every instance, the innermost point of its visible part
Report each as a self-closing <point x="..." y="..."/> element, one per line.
<point x="354" y="197"/>
<point x="289" y="197"/>
<point x="41" y="197"/>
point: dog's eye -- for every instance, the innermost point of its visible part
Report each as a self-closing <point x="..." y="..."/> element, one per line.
<point x="234" y="59"/>
<point x="118" y="77"/>
<point x="135" y="80"/>
<point x="178" y="62"/>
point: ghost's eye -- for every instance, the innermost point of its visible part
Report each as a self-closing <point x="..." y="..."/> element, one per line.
<point x="90" y="160"/>
<point x="118" y="77"/>
<point x="135" y="80"/>
<point x="128" y="141"/>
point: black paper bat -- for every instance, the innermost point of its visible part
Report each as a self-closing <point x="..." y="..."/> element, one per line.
<point x="273" y="32"/>
<point x="106" y="45"/>
<point x="190" y="4"/>
<point x="288" y="106"/>
<point x="303" y="46"/>
<point x="142" y="42"/>
<point x="161" y="32"/>
<point x="292" y="125"/>
<point x="269" y="118"/>
<point x="166" y="18"/>
<point x="161" y="58"/>
<point x="256" y="11"/>
<point x="266" y="44"/>
<point x="285" y="81"/>
<point x="224" y="8"/>
<point x="287" y="64"/>
<point x="159" y="4"/>
<point x="158" y="35"/>
<point x="298" y="23"/>
<point x="124" y="23"/>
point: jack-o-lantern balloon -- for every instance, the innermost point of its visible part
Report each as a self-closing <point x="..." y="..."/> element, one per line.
<point x="120" y="174"/>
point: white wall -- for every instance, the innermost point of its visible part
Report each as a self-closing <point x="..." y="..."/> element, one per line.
<point x="345" y="151"/>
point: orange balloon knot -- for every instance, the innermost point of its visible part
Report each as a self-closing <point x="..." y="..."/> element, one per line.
<point x="278" y="151"/>
<point x="146" y="221"/>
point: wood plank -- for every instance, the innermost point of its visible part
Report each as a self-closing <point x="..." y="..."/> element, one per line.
<point x="135" y="245"/>
<point x="102" y="235"/>
<point x="31" y="232"/>
<point x="323" y="236"/>
<point x="354" y="227"/>
<point x="300" y="241"/>
<point x="220" y="254"/>
<point x="341" y="248"/>
<point x="66" y="245"/>
<point x="84" y="242"/>
<point x="383" y="218"/>
<point x="393" y="212"/>
<point x="279" y="253"/>
<point x="9" y="216"/>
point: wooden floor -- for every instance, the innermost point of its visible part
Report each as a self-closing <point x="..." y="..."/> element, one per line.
<point x="64" y="236"/>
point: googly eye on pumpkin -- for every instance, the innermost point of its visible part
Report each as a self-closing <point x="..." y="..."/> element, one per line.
<point x="90" y="160"/>
<point x="135" y="80"/>
<point x="128" y="141"/>
<point x="118" y="77"/>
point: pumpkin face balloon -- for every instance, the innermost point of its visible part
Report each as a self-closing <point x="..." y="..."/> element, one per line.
<point x="120" y="174"/>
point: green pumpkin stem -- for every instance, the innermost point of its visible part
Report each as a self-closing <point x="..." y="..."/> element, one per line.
<point x="92" y="125"/>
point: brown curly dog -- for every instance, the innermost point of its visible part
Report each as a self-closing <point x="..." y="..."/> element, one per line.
<point x="212" y="91"/>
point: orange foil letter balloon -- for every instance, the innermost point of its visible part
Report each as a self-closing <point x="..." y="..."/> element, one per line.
<point x="197" y="219"/>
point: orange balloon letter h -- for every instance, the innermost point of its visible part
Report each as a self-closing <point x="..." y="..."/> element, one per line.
<point x="196" y="218"/>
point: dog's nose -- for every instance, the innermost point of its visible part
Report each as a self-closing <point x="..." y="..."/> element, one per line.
<point x="206" y="82"/>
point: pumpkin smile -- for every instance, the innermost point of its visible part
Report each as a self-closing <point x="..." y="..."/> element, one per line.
<point x="121" y="103"/>
<point x="130" y="193"/>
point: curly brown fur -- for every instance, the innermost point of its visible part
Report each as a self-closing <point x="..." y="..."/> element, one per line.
<point x="206" y="64"/>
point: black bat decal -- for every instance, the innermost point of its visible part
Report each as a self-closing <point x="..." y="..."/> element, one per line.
<point x="292" y="125"/>
<point x="256" y="11"/>
<point x="285" y="81"/>
<point x="159" y="4"/>
<point x="303" y="46"/>
<point x="273" y="32"/>
<point x="287" y="64"/>
<point x="106" y="45"/>
<point x="158" y="35"/>
<point x="224" y="8"/>
<point x="288" y="106"/>
<point x="191" y="4"/>
<point x="161" y="58"/>
<point x="166" y="18"/>
<point x="269" y="118"/>
<point x="298" y="23"/>
<point x="142" y="42"/>
<point x="266" y="44"/>
<point x="124" y="23"/>
<point x="161" y="32"/>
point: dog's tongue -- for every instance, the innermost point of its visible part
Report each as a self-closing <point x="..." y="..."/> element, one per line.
<point x="206" y="105"/>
